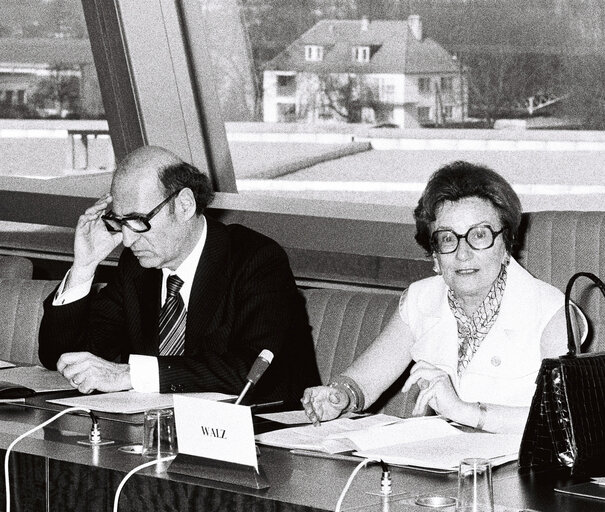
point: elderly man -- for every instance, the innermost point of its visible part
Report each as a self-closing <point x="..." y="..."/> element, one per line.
<point x="192" y="303"/>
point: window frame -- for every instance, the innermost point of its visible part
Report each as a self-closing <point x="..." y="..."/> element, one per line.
<point x="314" y="53"/>
<point x="135" y="49"/>
<point x="447" y="83"/>
<point x="424" y="85"/>
<point x="361" y="54"/>
<point x="421" y="118"/>
<point x="288" y="89"/>
<point x="386" y="90"/>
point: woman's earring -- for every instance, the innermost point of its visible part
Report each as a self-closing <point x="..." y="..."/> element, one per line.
<point x="436" y="267"/>
<point x="506" y="259"/>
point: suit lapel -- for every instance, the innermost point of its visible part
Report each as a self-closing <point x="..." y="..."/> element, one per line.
<point x="149" y="284"/>
<point x="209" y="283"/>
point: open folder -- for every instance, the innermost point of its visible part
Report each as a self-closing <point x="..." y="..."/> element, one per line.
<point x="35" y="378"/>
<point x="427" y="442"/>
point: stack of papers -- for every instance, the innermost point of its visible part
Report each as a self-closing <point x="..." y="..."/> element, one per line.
<point x="131" y="402"/>
<point x="445" y="453"/>
<point x="427" y="442"/>
<point x="329" y="437"/>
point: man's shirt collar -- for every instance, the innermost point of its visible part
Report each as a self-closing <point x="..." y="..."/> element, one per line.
<point x="186" y="270"/>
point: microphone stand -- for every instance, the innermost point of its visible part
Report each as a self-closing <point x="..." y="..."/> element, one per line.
<point x="243" y="393"/>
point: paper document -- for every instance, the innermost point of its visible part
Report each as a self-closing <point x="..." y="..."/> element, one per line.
<point x="131" y="402"/>
<point x="330" y="437"/>
<point x="445" y="453"/>
<point x="412" y="430"/>
<point x="286" y="417"/>
<point x="427" y="442"/>
<point x="37" y="378"/>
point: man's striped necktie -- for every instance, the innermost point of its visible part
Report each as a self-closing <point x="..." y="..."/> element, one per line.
<point x="173" y="317"/>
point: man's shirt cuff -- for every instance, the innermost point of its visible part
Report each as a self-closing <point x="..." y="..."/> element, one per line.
<point x="144" y="373"/>
<point x="73" y="294"/>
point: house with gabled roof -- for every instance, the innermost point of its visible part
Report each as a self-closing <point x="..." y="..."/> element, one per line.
<point x="379" y="72"/>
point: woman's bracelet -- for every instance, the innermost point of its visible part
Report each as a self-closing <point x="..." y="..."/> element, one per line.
<point x="350" y="387"/>
<point x="482" y="416"/>
<point x="351" y="397"/>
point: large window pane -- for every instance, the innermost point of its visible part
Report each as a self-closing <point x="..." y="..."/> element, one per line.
<point x="337" y="100"/>
<point x="51" y="112"/>
<point x="361" y="100"/>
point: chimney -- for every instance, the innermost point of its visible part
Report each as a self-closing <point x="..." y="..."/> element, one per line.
<point x="415" y="24"/>
<point x="365" y="24"/>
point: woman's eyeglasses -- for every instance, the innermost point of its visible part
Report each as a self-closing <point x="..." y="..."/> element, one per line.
<point x="135" y="222"/>
<point x="446" y="241"/>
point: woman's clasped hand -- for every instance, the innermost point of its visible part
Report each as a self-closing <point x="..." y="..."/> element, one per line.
<point x="436" y="390"/>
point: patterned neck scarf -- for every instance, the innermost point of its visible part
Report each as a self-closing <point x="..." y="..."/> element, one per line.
<point x="472" y="331"/>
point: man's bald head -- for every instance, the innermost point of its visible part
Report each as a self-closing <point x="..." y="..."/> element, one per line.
<point x="145" y="159"/>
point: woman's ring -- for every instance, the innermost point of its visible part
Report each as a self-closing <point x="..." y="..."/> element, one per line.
<point x="423" y="383"/>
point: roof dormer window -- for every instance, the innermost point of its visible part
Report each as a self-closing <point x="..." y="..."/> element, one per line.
<point x="361" y="53"/>
<point x="314" y="52"/>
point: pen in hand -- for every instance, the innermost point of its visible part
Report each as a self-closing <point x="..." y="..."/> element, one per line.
<point x="310" y="412"/>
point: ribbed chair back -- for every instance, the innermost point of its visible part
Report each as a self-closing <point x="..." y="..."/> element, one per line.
<point x="20" y="315"/>
<point x="344" y="324"/>
<point x="556" y="245"/>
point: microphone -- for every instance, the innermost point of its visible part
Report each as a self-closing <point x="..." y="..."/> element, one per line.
<point x="258" y="368"/>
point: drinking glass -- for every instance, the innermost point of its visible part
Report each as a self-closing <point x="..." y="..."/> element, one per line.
<point x="475" y="491"/>
<point x="159" y="434"/>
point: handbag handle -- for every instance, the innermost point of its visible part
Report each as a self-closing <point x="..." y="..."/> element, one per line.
<point x="571" y="344"/>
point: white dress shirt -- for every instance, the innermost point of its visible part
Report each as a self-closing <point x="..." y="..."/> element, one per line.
<point x="144" y="371"/>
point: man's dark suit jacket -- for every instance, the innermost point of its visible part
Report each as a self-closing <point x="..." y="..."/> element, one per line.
<point x="243" y="299"/>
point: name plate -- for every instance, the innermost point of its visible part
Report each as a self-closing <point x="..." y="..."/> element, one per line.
<point x="215" y="430"/>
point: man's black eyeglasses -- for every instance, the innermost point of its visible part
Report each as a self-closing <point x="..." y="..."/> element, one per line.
<point x="134" y="221"/>
<point x="446" y="241"/>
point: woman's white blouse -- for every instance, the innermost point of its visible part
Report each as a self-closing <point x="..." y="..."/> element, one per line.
<point x="504" y="368"/>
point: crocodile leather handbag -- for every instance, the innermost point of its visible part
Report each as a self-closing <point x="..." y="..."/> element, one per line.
<point x="566" y="423"/>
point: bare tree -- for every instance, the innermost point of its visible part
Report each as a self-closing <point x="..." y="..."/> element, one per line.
<point x="348" y="96"/>
<point x="5" y="31"/>
<point x="501" y="82"/>
<point x="275" y="24"/>
<point x="586" y="102"/>
<point x="59" y="91"/>
<point x="229" y="47"/>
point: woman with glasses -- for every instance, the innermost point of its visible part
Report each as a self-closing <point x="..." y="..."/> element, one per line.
<point x="476" y="331"/>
